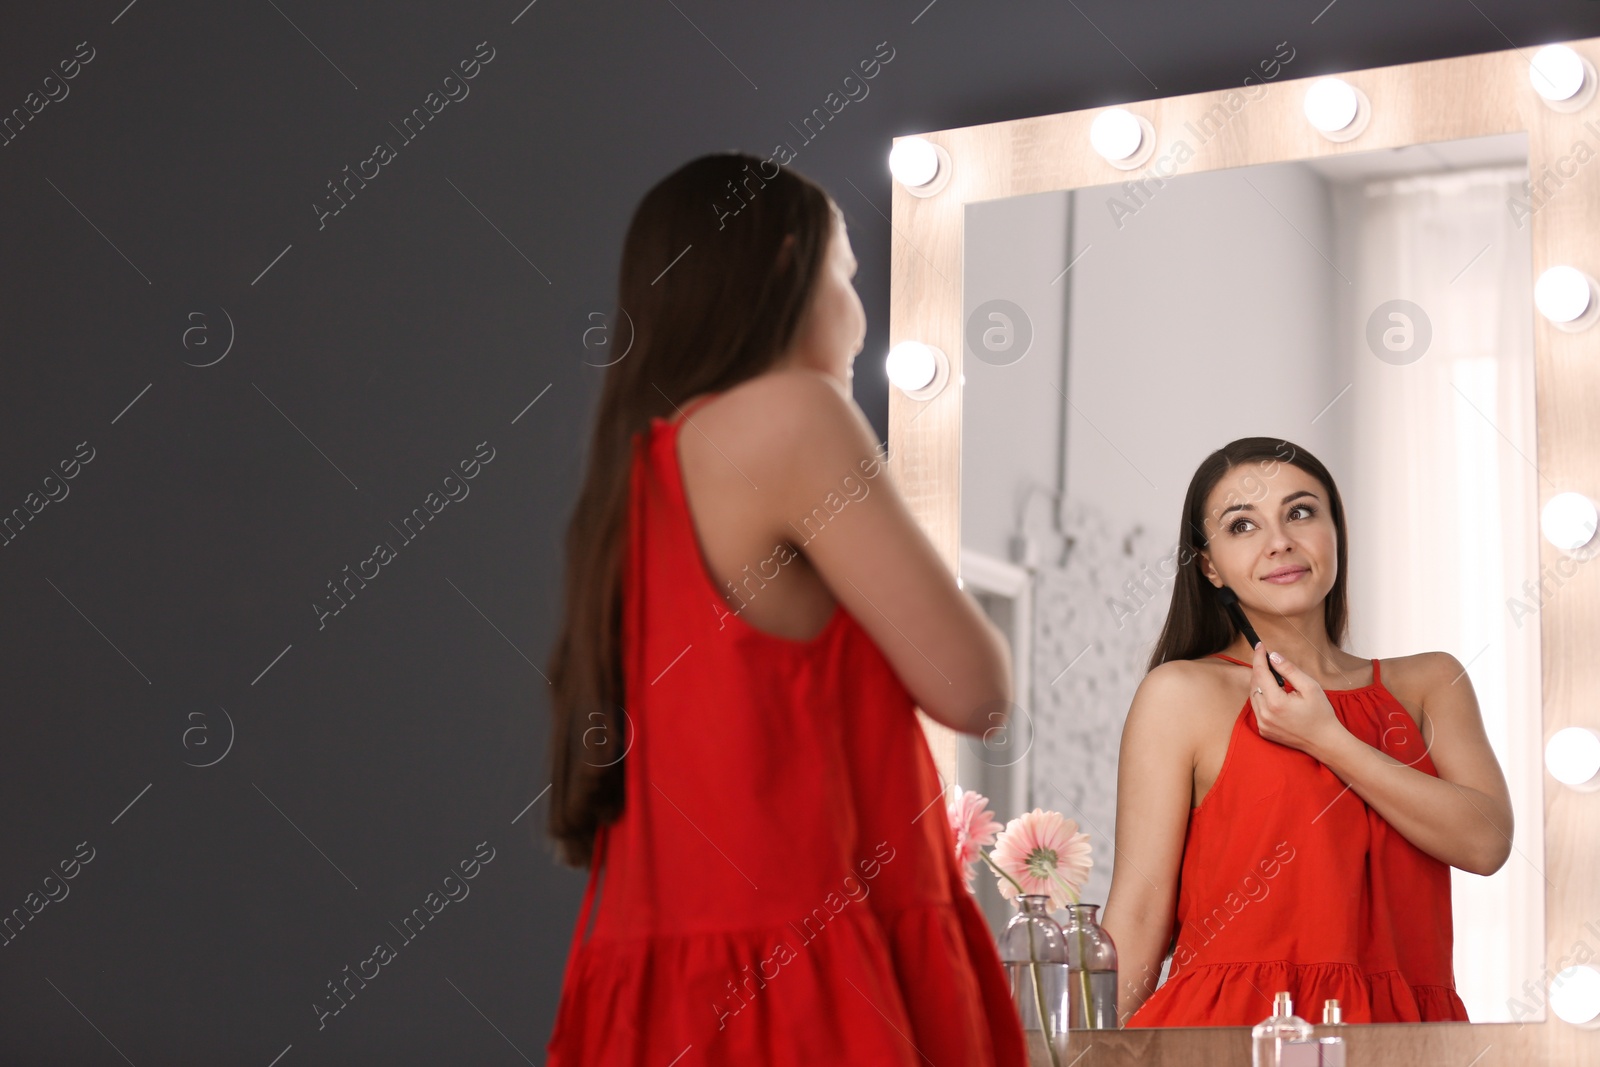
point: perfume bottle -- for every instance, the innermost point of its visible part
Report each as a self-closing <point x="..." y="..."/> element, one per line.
<point x="1270" y="1040"/>
<point x="1330" y="1049"/>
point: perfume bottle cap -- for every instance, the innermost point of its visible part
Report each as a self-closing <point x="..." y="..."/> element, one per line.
<point x="1282" y="1005"/>
<point x="1331" y="1015"/>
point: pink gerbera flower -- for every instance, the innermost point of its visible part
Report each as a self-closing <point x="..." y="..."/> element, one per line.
<point x="1042" y="853"/>
<point x="974" y="826"/>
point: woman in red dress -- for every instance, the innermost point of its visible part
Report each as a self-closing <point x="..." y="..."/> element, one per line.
<point x="752" y="618"/>
<point x="1294" y="839"/>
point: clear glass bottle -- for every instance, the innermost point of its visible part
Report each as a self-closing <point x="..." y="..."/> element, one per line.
<point x="1092" y="970"/>
<point x="1034" y="951"/>
<point x="1271" y="1034"/>
<point x="1330" y="1049"/>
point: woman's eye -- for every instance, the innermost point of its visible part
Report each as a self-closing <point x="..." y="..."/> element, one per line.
<point x="1233" y="528"/>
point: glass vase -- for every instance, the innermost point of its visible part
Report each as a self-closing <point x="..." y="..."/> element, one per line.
<point x="1092" y="977"/>
<point x="1034" y="951"/>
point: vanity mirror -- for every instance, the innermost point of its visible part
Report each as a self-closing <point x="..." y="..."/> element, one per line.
<point x="1109" y="295"/>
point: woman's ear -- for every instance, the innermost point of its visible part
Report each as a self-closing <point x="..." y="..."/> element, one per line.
<point x="783" y="252"/>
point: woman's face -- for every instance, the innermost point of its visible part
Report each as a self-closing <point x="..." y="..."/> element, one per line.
<point x="1270" y="537"/>
<point x="835" y="325"/>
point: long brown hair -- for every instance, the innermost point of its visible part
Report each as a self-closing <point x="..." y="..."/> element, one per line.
<point x="1197" y="625"/>
<point x="705" y="301"/>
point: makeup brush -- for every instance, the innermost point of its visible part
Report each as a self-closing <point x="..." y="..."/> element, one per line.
<point x="1230" y="600"/>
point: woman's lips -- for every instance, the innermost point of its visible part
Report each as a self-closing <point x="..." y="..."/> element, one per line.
<point x="1288" y="577"/>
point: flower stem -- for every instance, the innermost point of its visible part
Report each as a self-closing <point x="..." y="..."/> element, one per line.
<point x="1085" y="998"/>
<point x="1038" y="997"/>
<point x="1000" y="872"/>
<point x="1033" y="967"/>
<point x="1083" y="975"/>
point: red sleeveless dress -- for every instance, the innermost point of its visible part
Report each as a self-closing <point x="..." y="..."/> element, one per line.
<point x="1290" y="882"/>
<point x="781" y="888"/>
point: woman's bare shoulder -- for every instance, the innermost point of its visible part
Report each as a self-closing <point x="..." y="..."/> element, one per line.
<point x="1413" y="678"/>
<point x="786" y="422"/>
<point x="779" y="405"/>
<point x="1207" y="674"/>
<point x="1191" y="703"/>
<point x="1180" y="696"/>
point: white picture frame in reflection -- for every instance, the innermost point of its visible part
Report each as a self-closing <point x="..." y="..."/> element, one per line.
<point x="998" y="764"/>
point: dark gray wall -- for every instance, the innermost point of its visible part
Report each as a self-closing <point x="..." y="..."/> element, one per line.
<point x="233" y="793"/>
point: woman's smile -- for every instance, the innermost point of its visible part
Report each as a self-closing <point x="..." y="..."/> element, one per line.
<point x="1287" y="575"/>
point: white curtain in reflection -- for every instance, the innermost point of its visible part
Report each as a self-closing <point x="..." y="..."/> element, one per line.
<point x="1441" y="490"/>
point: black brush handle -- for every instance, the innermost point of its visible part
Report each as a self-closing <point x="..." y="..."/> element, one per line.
<point x="1230" y="600"/>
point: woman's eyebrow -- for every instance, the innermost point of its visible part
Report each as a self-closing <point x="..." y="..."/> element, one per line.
<point x="1285" y="500"/>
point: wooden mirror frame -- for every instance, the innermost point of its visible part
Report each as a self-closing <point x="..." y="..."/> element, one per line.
<point x="1414" y="103"/>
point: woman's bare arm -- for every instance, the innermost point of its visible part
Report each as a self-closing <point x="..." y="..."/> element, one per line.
<point x="833" y="497"/>
<point x="1155" y="783"/>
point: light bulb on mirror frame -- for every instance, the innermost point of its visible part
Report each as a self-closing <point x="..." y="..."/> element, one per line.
<point x="1564" y="80"/>
<point x="922" y="167"/>
<point x="1573" y="758"/>
<point x="1567" y="298"/>
<point x="1568" y="521"/>
<point x="1337" y="109"/>
<point x="918" y="370"/>
<point x="1121" y="138"/>
<point x="1575" y="996"/>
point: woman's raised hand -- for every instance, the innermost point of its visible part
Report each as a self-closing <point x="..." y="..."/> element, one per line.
<point x="1303" y="719"/>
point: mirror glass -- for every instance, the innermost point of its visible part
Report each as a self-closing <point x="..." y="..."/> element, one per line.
<point x="1376" y="310"/>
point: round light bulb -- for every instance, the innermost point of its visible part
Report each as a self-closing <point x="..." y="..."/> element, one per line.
<point x="911" y="365"/>
<point x="1116" y="134"/>
<point x="1568" y="521"/>
<point x="1575" y="995"/>
<point x="1562" y="294"/>
<point x="1556" y="72"/>
<point x="914" y="161"/>
<point x="1573" y="756"/>
<point x="1331" y="104"/>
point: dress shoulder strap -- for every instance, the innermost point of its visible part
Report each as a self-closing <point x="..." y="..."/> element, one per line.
<point x="1230" y="659"/>
<point x="1374" y="670"/>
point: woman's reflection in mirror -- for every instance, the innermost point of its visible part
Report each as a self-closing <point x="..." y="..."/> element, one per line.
<point x="1294" y="839"/>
